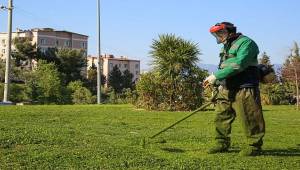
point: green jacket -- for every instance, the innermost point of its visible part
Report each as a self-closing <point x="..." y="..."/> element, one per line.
<point x="236" y="57"/>
<point x="238" y="63"/>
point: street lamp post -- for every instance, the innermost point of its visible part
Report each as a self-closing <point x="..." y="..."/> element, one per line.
<point x="99" y="66"/>
<point x="8" y="52"/>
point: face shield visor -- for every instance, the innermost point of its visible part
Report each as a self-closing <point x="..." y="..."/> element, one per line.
<point x="219" y="32"/>
<point x="221" y="36"/>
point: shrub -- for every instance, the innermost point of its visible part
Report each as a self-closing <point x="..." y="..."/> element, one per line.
<point x="174" y="82"/>
<point x="276" y="94"/>
<point x="80" y="94"/>
<point x="44" y="84"/>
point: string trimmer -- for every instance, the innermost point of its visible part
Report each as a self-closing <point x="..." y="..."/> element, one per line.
<point x="146" y="140"/>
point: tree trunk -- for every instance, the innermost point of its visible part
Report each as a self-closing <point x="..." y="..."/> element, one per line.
<point x="30" y="64"/>
<point x="297" y="88"/>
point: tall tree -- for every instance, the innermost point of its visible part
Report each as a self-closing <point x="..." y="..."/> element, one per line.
<point x="295" y="49"/>
<point x="72" y="63"/>
<point x="2" y="70"/>
<point x="127" y="79"/>
<point x="16" y="74"/>
<point x="291" y="69"/>
<point x="265" y="59"/>
<point x="50" y="55"/>
<point x="115" y="79"/>
<point x="24" y="51"/>
<point x="44" y="84"/>
<point x="92" y="79"/>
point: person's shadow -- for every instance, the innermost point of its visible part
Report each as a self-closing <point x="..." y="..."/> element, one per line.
<point x="295" y="151"/>
<point x="174" y="150"/>
<point x="265" y="152"/>
<point x="282" y="152"/>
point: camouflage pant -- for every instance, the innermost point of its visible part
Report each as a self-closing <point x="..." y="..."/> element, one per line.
<point x="246" y="104"/>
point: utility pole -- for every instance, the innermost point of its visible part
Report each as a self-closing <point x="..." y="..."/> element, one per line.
<point x="99" y="65"/>
<point x="8" y="52"/>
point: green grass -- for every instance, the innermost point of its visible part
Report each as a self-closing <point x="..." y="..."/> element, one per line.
<point x="109" y="136"/>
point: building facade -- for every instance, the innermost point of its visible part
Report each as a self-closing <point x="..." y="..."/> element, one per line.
<point x="45" y="38"/>
<point x="123" y="63"/>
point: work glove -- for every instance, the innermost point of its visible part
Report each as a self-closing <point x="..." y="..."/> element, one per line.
<point x="210" y="80"/>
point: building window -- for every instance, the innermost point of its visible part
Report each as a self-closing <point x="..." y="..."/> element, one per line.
<point x="3" y="51"/>
<point x="68" y="43"/>
<point x="119" y="65"/>
<point x="125" y="65"/>
<point x="3" y="41"/>
<point x="111" y="65"/>
<point x="83" y="45"/>
<point x="57" y="42"/>
<point x="137" y="73"/>
<point x="137" y="66"/>
<point x="43" y="41"/>
<point x="43" y="50"/>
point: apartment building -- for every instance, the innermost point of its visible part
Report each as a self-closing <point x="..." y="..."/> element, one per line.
<point x="45" y="38"/>
<point x="123" y="63"/>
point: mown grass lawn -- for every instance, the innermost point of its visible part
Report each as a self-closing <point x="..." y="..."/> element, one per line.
<point x="108" y="137"/>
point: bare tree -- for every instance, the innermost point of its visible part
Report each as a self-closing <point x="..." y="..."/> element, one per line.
<point x="291" y="69"/>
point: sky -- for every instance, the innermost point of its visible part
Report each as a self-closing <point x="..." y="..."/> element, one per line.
<point x="128" y="27"/>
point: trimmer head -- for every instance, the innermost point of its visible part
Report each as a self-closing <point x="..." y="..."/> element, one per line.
<point x="143" y="142"/>
<point x="146" y="141"/>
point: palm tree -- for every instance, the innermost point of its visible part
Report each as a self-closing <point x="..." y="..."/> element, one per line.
<point x="174" y="58"/>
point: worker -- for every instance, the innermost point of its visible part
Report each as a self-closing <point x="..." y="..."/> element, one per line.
<point x="237" y="79"/>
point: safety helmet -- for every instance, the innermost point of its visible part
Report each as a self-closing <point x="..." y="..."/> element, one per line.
<point x="222" y="30"/>
<point x="217" y="28"/>
<point x="223" y="26"/>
